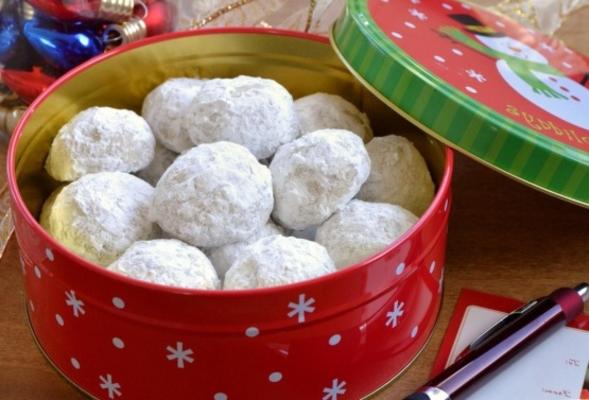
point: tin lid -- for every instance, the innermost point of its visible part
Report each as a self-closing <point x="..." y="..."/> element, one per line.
<point x="503" y="94"/>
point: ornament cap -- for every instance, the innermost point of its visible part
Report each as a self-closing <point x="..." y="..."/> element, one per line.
<point x="126" y="32"/>
<point x="9" y="117"/>
<point x="28" y="12"/>
<point x="116" y="10"/>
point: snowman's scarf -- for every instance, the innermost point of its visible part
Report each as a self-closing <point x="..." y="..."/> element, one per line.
<point x="523" y="68"/>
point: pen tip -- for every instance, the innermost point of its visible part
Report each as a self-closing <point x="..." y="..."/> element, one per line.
<point x="583" y="290"/>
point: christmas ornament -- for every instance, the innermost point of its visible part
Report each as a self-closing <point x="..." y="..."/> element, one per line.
<point x="126" y="32"/>
<point x="53" y="8"/>
<point x="9" y="34"/>
<point x="8" y="119"/>
<point x="159" y="18"/>
<point x="64" y="48"/>
<point x="27" y="12"/>
<point x="26" y="84"/>
<point x="61" y="34"/>
<point x="110" y="10"/>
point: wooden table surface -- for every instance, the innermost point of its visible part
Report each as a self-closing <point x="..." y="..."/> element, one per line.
<point x="504" y="238"/>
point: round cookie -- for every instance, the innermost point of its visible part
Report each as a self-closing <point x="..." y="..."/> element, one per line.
<point x="213" y="195"/>
<point x="222" y="257"/>
<point x="100" y="215"/>
<point x="167" y="262"/>
<point x="316" y="175"/>
<point x="100" y="139"/>
<point x="254" y="112"/>
<point x="162" y="159"/>
<point x="48" y="207"/>
<point x="278" y="260"/>
<point x="164" y="109"/>
<point x="328" y="111"/>
<point x="361" y="230"/>
<point x="399" y="175"/>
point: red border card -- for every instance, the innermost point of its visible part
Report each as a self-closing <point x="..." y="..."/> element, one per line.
<point x="468" y="298"/>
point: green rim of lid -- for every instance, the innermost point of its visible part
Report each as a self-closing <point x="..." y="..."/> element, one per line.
<point x="452" y="117"/>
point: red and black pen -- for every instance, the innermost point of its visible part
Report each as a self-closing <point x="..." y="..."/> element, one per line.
<point x="503" y="341"/>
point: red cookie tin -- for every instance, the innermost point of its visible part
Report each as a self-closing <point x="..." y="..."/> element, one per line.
<point x="340" y="336"/>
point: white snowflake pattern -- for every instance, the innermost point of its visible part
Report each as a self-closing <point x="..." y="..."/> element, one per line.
<point x="417" y="14"/>
<point x="476" y="75"/>
<point x="337" y="388"/>
<point x="394" y="315"/>
<point x="113" y="388"/>
<point x="415" y="1"/>
<point x="303" y="306"/>
<point x="179" y="354"/>
<point x="76" y="304"/>
<point x="547" y="47"/>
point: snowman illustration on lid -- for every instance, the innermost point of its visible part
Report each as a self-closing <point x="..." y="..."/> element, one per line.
<point x="527" y="71"/>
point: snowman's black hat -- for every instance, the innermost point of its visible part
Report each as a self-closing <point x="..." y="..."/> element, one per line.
<point x="474" y="25"/>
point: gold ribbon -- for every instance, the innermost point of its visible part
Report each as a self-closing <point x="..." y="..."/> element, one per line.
<point x="197" y="24"/>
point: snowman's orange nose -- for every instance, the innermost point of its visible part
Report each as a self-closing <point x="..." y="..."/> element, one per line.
<point x="516" y="49"/>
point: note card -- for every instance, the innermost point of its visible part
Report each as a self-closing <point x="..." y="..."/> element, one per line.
<point x="556" y="368"/>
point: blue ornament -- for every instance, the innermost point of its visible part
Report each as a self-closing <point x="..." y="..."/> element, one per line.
<point x="9" y="35"/>
<point x="62" y="46"/>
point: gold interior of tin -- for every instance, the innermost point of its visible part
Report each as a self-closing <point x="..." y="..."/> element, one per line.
<point x="302" y="66"/>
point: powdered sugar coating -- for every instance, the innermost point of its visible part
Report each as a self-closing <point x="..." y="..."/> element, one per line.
<point x="399" y="175"/>
<point x="328" y="111"/>
<point x="164" y="109"/>
<point x="100" y="215"/>
<point x="254" y="112"/>
<point x="162" y="159"/>
<point x="48" y="207"/>
<point x="316" y="175"/>
<point x="100" y="139"/>
<point x="167" y="262"/>
<point x="278" y="260"/>
<point x="222" y="257"/>
<point x="361" y="230"/>
<point x="213" y="195"/>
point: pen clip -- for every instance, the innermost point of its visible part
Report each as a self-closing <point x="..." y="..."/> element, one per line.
<point x="508" y="319"/>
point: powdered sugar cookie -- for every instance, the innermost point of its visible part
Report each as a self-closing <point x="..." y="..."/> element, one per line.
<point x="362" y="229"/>
<point x="328" y="111"/>
<point x="100" y="139"/>
<point x="213" y="195"/>
<point x="167" y="262"/>
<point x="278" y="260"/>
<point x="316" y="175"/>
<point x="100" y="215"/>
<point x="254" y="112"/>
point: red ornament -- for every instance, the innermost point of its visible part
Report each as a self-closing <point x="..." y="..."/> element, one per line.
<point x="53" y="8"/>
<point x="159" y="18"/>
<point x="26" y="84"/>
<point x="111" y="10"/>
